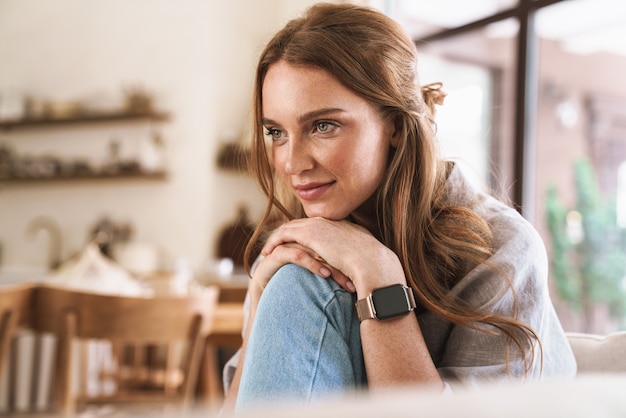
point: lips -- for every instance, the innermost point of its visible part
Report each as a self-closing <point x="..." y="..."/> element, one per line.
<point x="312" y="191"/>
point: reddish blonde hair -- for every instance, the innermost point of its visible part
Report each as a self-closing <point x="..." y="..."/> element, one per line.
<point x="437" y="243"/>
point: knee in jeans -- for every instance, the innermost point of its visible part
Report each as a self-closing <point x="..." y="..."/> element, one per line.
<point x="292" y="282"/>
<point x="295" y="295"/>
<point x="289" y="277"/>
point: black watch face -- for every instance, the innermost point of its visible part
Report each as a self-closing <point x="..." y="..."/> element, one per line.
<point x="390" y="302"/>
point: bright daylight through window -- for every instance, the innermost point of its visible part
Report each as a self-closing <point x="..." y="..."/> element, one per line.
<point x="575" y="158"/>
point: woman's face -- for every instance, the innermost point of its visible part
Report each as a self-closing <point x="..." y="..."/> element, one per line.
<point x="329" y="146"/>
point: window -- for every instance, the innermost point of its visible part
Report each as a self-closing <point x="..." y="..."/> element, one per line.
<point x="464" y="122"/>
<point x="553" y="107"/>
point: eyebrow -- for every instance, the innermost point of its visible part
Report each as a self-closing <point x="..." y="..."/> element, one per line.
<point x="309" y="115"/>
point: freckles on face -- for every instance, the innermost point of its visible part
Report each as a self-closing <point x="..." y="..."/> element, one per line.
<point x="329" y="145"/>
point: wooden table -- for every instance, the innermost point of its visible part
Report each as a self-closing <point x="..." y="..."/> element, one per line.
<point x="227" y="324"/>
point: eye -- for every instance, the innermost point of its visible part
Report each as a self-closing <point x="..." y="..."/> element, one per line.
<point x="324" y="127"/>
<point x="274" y="133"/>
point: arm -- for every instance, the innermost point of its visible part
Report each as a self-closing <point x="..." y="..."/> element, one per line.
<point x="369" y="265"/>
<point x="394" y="351"/>
<point x="396" y="354"/>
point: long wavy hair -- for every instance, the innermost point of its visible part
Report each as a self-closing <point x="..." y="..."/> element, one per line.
<point x="436" y="243"/>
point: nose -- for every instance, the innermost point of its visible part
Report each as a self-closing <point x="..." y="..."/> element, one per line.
<point x="298" y="157"/>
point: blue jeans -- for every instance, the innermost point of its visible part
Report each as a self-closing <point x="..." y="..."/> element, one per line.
<point x="304" y="344"/>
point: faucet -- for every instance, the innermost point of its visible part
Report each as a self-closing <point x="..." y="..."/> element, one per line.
<point x="54" y="234"/>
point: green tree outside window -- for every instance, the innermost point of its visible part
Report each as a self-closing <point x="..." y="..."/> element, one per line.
<point x="588" y="261"/>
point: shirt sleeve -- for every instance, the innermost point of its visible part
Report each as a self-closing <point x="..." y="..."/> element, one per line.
<point x="513" y="282"/>
<point x="228" y="373"/>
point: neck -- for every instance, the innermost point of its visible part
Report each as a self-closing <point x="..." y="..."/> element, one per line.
<point x="367" y="217"/>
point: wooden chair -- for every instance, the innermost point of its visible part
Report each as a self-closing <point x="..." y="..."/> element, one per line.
<point x="175" y="325"/>
<point x="16" y="303"/>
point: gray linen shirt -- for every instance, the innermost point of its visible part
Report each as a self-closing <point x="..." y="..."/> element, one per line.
<point x="467" y="357"/>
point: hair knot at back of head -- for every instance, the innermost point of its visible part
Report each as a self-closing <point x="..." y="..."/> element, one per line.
<point x="433" y="95"/>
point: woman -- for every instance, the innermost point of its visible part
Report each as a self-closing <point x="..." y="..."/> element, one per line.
<point x="449" y="284"/>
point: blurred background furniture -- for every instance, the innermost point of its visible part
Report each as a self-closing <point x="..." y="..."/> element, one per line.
<point x="219" y="330"/>
<point x="28" y="354"/>
<point x="15" y="314"/>
<point x="156" y="345"/>
<point x="599" y="353"/>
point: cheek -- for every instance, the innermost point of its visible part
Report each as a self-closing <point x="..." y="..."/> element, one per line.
<point x="372" y="153"/>
<point x="279" y="166"/>
<point x="360" y="169"/>
<point x="277" y="160"/>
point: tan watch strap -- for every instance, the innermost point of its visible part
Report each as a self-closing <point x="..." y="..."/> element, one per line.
<point x="365" y="308"/>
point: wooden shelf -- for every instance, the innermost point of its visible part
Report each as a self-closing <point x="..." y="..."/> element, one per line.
<point x="86" y="118"/>
<point x="160" y="175"/>
<point x="125" y="173"/>
<point x="233" y="157"/>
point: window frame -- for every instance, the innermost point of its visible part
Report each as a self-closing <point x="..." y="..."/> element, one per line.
<point x="525" y="92"/>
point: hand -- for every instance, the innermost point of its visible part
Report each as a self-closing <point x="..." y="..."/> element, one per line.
<point x="351" y="253"/>
<point x="297" y="254"/>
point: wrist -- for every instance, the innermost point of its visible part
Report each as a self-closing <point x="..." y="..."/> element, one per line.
<point x="386" y="303"/>
<point x="385" y="270"/>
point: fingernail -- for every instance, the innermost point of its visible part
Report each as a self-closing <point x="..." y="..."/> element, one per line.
<point x="324" y="272"/>
<point x="350" y="286"/>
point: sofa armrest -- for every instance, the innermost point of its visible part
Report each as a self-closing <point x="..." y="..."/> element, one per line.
<point x="599" y="353"/>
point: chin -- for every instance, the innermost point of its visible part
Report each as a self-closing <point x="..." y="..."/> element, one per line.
<point x="330" y="215"/>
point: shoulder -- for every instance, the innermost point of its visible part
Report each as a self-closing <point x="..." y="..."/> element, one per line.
<point x="518" y="253"/>
<point x="510" y="229"/>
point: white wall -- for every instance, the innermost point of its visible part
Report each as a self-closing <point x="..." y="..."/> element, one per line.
<point x="196" y="56"/>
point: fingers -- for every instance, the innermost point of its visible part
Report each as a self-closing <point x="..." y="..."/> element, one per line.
<point x="292" y="231"/>
<point x="303" y="257"/>
<point x="342" y="280"/>
<point x="319" y="266"/>
<point x="294" y="253"/>
<point x="301" y="241"/>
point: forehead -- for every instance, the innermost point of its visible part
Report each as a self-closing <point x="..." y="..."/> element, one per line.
<point x="303" y="88"/>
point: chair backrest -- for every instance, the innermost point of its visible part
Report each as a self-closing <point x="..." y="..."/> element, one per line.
<point x="72" y="315"/>
<point x="16" y="311"/>
<point x="599" y="353"/>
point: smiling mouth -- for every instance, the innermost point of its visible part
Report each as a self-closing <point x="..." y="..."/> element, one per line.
<point x="313" y="191"/>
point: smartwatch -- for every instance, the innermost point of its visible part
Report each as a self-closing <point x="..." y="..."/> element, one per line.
<point x="386" y="303"/>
